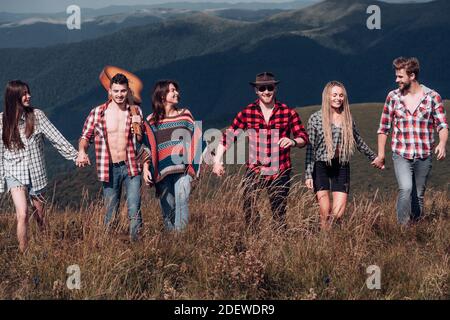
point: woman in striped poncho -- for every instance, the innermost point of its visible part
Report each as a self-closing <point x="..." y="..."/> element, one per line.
<point x="172" y="149"/>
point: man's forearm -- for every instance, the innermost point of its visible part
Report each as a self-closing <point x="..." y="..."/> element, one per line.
<point x="83" y="145"/>
<point x="443" y="136"/>
<point x="300" y="142"/>
<point x="382" y="138"/>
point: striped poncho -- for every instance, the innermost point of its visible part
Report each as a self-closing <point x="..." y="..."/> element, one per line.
<point x="173" y="145"/>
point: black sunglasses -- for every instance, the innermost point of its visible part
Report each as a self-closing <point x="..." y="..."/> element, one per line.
<point x="269" y="88"/>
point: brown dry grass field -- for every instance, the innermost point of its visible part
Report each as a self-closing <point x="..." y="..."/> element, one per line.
<point x="216" y="258"/>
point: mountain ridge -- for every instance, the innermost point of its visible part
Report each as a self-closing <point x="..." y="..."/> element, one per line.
<point x="216" y="51"/>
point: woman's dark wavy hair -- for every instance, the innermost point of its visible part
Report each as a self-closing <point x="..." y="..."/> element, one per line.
<point x="13" y="109"/>
<point x="160" y="91"/>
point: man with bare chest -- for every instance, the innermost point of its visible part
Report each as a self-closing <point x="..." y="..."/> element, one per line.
<point x="109" y="126"/>
<point x="413" y="111"/>
<point x="116" y="123"/>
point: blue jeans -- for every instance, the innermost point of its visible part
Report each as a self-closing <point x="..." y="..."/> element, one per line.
<point x="411" y="176"/>
<point x="112" y="191"/>
<point x="173" y="193"/>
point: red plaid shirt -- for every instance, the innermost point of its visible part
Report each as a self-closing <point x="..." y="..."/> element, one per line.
<point x="413" y="133"/>
<point x="94" y="130"/>
<point x="265" y="156"/>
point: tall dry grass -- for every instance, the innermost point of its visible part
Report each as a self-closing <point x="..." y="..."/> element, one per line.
<point x="217" y="258"/>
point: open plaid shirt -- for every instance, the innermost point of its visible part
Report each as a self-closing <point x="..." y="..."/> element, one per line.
<point x="413" y="133"/>
<point x="317" y="150"/>
<point x="265" y="156"/>
<point x="28" y="164"/>
<point x="94" y="130"/>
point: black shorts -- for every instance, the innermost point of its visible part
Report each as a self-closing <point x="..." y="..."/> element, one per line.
<point x="335" y="177"/>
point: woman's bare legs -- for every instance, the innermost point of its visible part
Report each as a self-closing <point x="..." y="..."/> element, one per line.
<point x="334" y="210"/>
<point x="20" y="199"/>
<point x="323" y="198"/>
<point x="339" y="205"/>
<point x="39" y="210"/>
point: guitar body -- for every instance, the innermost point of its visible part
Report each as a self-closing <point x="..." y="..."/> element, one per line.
<point x="135" y="85"/>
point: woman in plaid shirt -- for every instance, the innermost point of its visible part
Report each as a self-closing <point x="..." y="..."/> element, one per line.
<point x="333" y="137"/>
<point x="22" y="163"/>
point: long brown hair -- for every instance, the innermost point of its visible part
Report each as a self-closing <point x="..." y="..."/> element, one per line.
<point x="347" y="143"/>
<point x="13" y="111"/>
<point x="160" y="91"/>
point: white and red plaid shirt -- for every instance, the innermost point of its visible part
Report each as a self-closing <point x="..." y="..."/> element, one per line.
<point x="413" y="133"/>
<point x="94" y="130"/>
<point x="265" y="155"/>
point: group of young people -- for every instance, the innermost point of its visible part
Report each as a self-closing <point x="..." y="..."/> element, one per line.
<point x="131" y="149"/>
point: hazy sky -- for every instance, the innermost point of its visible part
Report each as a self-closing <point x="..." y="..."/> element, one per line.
<point x="61" y="5"/>
<point x="48" y="6"/>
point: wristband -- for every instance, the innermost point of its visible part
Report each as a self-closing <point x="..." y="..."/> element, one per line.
<point x="295" y="142"/>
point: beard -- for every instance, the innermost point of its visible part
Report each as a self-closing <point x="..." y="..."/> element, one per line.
<point x="406" y="87"/>
<point x="267" y="99"/>
<point x="119" y="101"/>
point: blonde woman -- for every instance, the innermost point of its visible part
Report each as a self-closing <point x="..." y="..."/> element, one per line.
<point x="333" y="138"/>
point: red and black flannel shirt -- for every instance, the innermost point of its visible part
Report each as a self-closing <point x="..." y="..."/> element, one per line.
<point x="94" y="130"/>
<point x="265" y="155"/>
<point x="413" y="133"/>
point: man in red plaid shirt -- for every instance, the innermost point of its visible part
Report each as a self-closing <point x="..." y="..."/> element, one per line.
<point x="268" y="124"/>
<point x="413" y="111"/>
<point x="109" y="126"/>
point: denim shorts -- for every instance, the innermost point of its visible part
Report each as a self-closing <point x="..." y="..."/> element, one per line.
<point x="12" y="182"/>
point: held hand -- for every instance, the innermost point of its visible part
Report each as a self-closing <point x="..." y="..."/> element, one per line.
<point x="79" y="160"/>
<point x="309" y="184"/>
<point x="147" y="176"/>
<point x="218" y="169"/>
<point x="440" y="152"/>
<point x="82" y="160"/>
<point x="378" y="163"/>
<point x="194" y="183"/>
<point x="286" y="143"/>
<point x="86" y="160"/>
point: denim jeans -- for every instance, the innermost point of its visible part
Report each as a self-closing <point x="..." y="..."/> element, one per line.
<point x="411" y="176"/>
<point x="173" y="193"/>
<point x="112" y="191"/>
<point x="12" y="182"/>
